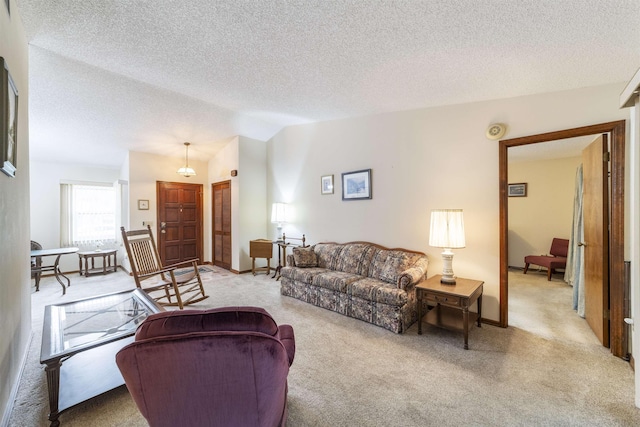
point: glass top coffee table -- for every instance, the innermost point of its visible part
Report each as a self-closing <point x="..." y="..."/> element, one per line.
<point x="79" y="343"/>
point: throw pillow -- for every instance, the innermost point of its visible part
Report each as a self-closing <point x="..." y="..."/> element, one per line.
<point x="305" y="257"/>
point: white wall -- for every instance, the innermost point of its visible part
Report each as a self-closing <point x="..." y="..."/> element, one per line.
<point x="220" y="168"/>
<point x="45" y="202"/>
<point x="630" y="98"/>
<point x="546" y="212"/>
<point x="15" y="275"/>
<point x="252" y="187"/>
<point x="421" y="160"/>
<point x="248" y="194"/>
<point x="145" y="170"/>
<point x="139" y="174"/>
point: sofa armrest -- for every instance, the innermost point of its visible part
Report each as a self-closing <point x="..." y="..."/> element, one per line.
<point x="413" y="275"/>
<point x="285" y="333"/>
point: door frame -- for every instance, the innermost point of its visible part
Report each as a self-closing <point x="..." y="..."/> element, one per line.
<point x="616" y="232"/>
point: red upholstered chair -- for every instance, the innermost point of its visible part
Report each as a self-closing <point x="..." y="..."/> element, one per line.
<point x="558" y="258"/>
<point x="221" y="367"/>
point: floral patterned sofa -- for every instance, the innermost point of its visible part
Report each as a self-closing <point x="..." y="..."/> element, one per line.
<point x="358" y="279"/>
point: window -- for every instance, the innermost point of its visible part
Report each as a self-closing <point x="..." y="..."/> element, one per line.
<point x="88" y="214"/>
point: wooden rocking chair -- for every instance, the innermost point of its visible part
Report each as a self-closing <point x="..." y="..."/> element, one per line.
<point x="166" y="287"/>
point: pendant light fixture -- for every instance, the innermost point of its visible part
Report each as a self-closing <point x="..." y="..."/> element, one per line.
<point x="186" y="171"/>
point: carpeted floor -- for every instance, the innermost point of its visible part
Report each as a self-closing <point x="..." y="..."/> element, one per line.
<point x="350" y="373"/>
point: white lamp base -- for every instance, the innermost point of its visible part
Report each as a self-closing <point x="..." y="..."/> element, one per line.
<point x="279" y="232"/>
<point x="447" y="269"/>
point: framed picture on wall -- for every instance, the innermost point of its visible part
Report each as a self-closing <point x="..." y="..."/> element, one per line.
<point x="517" y="190"/>
<point x="143" y="205"/>
<point x="356" y="185"/>
<point x="326" y="184"/>
<point x="8" y="121"/>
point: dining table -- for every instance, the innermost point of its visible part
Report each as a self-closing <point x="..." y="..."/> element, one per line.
<point x="55" y="267"/>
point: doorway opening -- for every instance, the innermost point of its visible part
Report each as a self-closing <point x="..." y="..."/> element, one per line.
<point x="616" y="268"/>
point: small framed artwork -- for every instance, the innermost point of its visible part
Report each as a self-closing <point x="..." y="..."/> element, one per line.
<point x="8" y="121"/>
<point x="326" y="184"/>
<point x="356" y="185"/>
<point x="517" y="190"/>
<point x="143" y="205"/>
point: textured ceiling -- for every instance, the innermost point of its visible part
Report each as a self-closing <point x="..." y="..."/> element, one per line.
<point x="112" y="75"/>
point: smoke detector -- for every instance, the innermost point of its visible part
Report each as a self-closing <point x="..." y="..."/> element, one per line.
<point x="496" y="131"/>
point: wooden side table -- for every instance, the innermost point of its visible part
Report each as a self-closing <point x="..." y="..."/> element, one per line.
<point x="282" y="257"/>
<point x="282" y="251"/>
<point x="448" y="301"/>
<point x="260" y="248"/>
<point x="108" y="266"/>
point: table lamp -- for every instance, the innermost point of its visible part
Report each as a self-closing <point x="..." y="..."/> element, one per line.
<point x="279" y="216"/>
<point x="447" y="231"/>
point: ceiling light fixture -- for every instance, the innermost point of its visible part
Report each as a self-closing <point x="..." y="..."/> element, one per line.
<point x="186" y="171"/>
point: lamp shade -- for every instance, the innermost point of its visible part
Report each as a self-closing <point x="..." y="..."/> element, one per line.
<point x="186" y="171"/>
<point x="278" y="213"/>
<point x="447" y="228"/>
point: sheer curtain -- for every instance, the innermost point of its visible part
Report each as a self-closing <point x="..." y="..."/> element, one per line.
<point x="66" y="239"/>
<point x="574" y="273"/>
<point x="88" y="215"/>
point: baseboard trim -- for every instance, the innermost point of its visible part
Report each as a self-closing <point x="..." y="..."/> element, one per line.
<point x="489" y="322"/>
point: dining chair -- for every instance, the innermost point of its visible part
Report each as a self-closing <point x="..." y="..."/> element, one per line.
<point x="36" y="263"/>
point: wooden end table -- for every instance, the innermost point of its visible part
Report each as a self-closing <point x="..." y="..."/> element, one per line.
<point x="108" y="266"/>
<point x="447" y="302"/>
<point x="260" y="248"/>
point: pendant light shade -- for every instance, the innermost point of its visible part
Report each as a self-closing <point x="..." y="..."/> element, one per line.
<point x="186" y="171"/>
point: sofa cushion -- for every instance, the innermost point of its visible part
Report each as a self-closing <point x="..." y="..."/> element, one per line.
<point x="379" y="291"/>
<point x="305" y="257"/>
<point x="253" y="319"/>
<point x="305" y="275"/>
<point x="356" y="258"/>
<point x="328" y="254"/>
<point x="335" y="280"/>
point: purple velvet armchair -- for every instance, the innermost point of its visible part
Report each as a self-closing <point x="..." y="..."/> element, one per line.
<point x="221" y="367"/>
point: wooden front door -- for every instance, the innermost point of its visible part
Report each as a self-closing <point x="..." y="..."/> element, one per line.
<point x="222" y="224"/>
<point x="179" y="222"/>
<point x="596" y="237"/>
